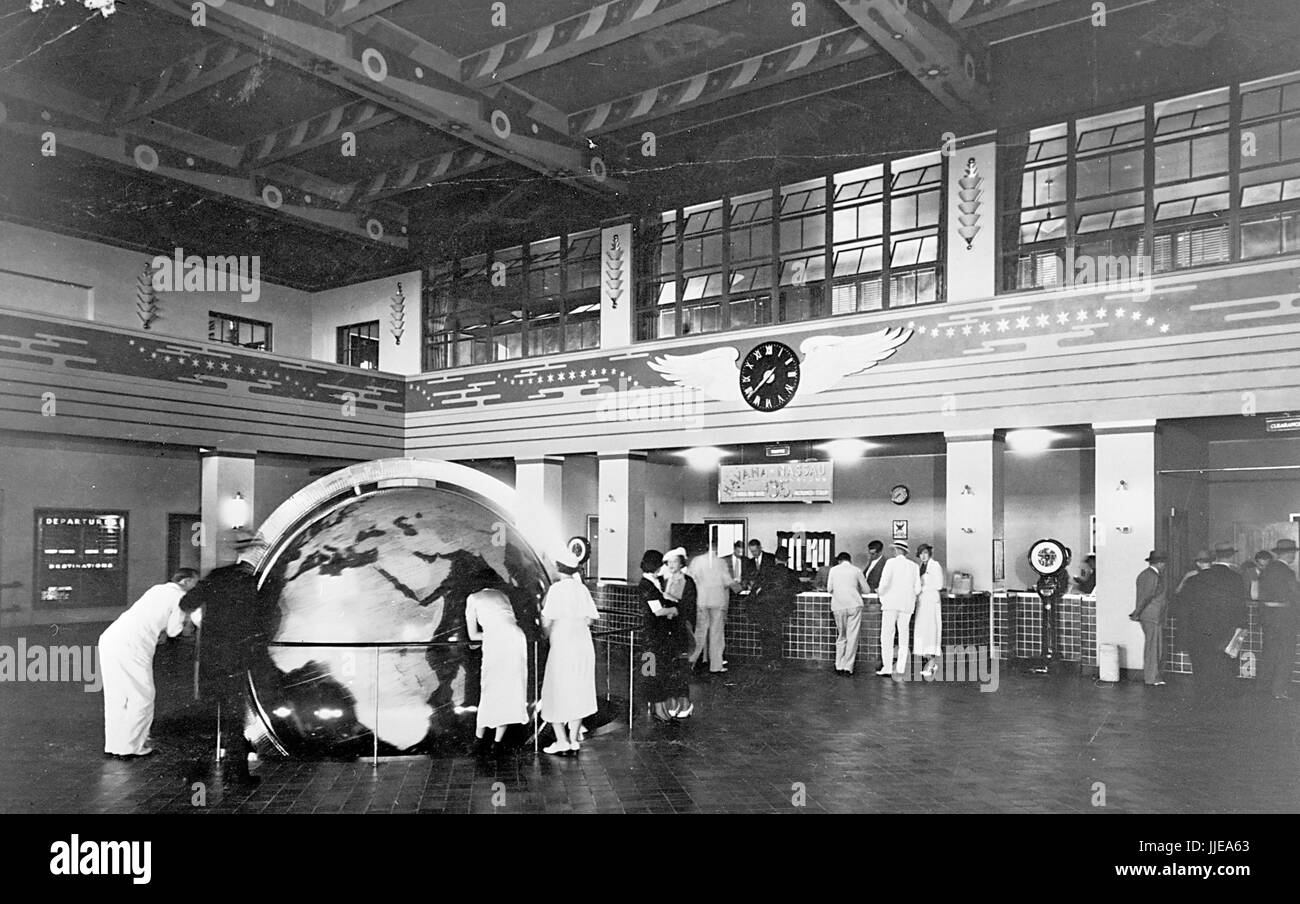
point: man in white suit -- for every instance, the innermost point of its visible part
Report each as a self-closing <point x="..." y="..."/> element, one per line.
<point x="900" y="583"/>
<point x="713" y="584"/>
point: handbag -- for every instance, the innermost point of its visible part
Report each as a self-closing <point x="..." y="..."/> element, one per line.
<point x="1233" y="648"/>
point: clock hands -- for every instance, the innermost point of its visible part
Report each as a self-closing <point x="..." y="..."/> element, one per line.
<point x="767" y="378"/>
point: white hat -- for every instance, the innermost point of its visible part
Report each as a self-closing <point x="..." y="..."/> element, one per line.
<point x="567" y="558"/>
<point x="902" y="544"/>
<point x="676" y="551"/>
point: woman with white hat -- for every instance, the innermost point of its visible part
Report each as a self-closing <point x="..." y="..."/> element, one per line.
<point x="569" y="687"/>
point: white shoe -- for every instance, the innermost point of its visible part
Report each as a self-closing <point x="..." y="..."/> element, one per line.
<point x="557" y="748"/>
<point x="685" y="713"/>
<point x="885" y="672"/>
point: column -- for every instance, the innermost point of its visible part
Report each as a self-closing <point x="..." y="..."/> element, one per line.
<point x="1126" y="528"/>
<point x="538" y="482"/>
<point x="226" y="503"/>
<point x="620" y="487"/>
<point x="974" y="506"/>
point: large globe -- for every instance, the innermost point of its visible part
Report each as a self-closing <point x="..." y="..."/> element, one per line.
<point x="371" y="642"/>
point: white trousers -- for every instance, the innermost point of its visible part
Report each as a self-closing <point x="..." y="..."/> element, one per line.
<point x="709" y="625"/>
<point x="848" y="622"/>
<point x="128" y="698"/>
<point x="891" y="621"/>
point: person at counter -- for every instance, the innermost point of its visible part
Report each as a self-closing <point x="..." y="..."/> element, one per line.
<point x="1279" y="599"/>
<point x="713" y="585"/>
<point x="738" y="564"/>
<point x="1215" y="600"/>
<point x="1203" y="561"/>
<point x="900" y="584"/>
<point x="771" y="599"/>
<point x="846" y="584"/>
<point x="928" y="637"/>
<point x="875" y="564"/>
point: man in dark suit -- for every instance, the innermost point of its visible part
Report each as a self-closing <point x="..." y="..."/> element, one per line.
<point x="1216" y="604"/>
<point x="737" y="564"/>
<point x="1279" y="600"/>
<point x="771" y="599"/>
<point x="1149" y="610"/>
<point x="232" y="635"/>
<point x="756" y="561"/>
<point x="875" y="564"/>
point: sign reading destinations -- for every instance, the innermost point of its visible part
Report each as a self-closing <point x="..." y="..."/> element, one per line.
<point x="789" y="481"/>
<point x="81" y="558"/>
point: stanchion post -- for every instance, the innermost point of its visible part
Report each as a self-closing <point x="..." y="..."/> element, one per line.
<point x="537" y="701"/>
<point x="608" y="645"/>
<point x="218" y="750"/>
<point x="631" y="676"/>
<point x="374" y="756"/>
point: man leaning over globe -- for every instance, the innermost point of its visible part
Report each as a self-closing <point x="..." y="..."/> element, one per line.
<point x="231" y="634"/>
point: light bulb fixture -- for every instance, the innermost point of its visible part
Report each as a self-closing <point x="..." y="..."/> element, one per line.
<point x="1123" y="487"/>
<point x="704" y="458"/>
<point x="846" y="450"/>
<point x="236" y="510"/>
<point x="968" y="530"/>
<point x="967" y="491"/>
<point x="1031" y="441"/>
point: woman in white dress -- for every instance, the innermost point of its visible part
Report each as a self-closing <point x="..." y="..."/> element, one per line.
<point x="503" y="695"/>
<point x="569" y="687"/>
<point x="928" y="634"/>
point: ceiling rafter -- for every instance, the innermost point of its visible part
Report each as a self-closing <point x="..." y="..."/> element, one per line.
<point x="316" y="130"/>
<point x="556" y="42"/>
<point x="423" y="173"/>
<point x="761" y="71"/>
<point x="949" y="65"/>
<point x="297" y="35"/>
<point x="169" y="151"/>
<point x="189" y="75"/>
<point x="346" y="12"/>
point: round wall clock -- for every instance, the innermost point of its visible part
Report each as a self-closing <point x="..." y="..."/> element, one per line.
<point x="769" y="376"/>
<point x="899" y="495"/>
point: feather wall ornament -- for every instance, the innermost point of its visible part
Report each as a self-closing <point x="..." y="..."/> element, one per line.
<point x="398" y="311"/>
<point x="969" y="191"/>
<point x="146" y="300"/>
<point x="614" y="271"/>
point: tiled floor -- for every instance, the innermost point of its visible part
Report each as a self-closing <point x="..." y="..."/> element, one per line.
<point x="759" y="741"/>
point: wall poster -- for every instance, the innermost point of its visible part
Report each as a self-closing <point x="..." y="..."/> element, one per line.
<point x="81" y="558"/>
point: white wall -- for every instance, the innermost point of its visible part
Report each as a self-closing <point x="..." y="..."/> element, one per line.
<point x="364" y="302"/>
<point x="69" y="277"/>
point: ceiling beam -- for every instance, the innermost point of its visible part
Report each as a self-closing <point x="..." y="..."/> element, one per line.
<point x="917" y="34"/>
<point x="424" y="173"/>
<point x="314" y="131"/>
<point x="346" y="12"/>
<point x="166" y="150"/>
<point x="599" y="27"/>
<point x="190" y="74"/>
<point x="300" y="37"/>
<point x="762" y="71"/>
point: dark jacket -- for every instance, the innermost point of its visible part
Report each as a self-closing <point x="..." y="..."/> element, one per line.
<point x="874" y="572"/>
<point x="776" y="587"/>
<point x="233" y="633"/>
<point x="1277" y="584"/>
<point x="1216" y="605"/>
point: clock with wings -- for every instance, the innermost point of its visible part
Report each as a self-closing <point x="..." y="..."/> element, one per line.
<point x="771" y="373"/>
<point x="769" y="376"/>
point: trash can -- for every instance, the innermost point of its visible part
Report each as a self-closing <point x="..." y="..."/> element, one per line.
<point x="1108" y="661"/>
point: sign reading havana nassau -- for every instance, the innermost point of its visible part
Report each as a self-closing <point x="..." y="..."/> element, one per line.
<point x="788" y="481"/>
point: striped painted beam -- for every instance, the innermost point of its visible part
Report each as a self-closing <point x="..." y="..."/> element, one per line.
<point x="296" y="35"/>
<point x="423" y="173"/>
<point x="189" y="75"/>
<point x="947" y="64"/>
<point x="323" y="128"/>
<point x="350" y="11"/>
<point x="762" y="71"/>
<point x="599" y="27"/>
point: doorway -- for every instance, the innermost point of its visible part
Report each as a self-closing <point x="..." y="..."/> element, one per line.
<point x="184" y="542"/>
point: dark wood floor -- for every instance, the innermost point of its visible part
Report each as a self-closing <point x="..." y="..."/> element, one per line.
<point x="759" y="741"/>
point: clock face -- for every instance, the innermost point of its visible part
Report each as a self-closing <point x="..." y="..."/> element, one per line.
<point x="899" y="495"/>
<point x="769" y="376"/>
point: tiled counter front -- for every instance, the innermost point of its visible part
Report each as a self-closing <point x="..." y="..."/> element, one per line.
<point x="809" y="633"/>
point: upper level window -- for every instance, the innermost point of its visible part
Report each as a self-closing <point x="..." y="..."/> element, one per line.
<point x="1155" y="183"/>
<point x="239" y="331"/>
<point x="358" y="345"/>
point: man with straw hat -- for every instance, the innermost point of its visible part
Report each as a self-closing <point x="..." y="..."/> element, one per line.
<point x="900" y="584"/>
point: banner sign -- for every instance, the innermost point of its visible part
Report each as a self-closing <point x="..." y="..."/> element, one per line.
<point x="791" y="481"/>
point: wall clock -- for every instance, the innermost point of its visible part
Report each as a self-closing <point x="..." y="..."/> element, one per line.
<point x="899" y="495"/>
<point x="769" y="376"/>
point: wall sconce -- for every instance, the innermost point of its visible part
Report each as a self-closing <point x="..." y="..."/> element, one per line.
<point x="968" y="530"/>
<point x="967" y="491"/>
<point x="1123" y="487"/>
<point x="237" y="510"/>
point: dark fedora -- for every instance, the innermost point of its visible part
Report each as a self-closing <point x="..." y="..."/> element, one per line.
<point x="1285" y="546"/>
<point x="1157" y="557"/>
<point x="1224" y="550"/>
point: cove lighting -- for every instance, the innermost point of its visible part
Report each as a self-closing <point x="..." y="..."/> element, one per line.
<point x="1031" y="440"/>
<point x="844" y="450"/>
<point x="704" y="458"/>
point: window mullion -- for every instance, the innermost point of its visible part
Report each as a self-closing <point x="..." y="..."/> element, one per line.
<point x="1234" y="172"/>
<point x="886" y="227"/>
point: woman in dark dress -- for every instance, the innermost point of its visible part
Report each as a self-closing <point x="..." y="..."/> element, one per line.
<point x="668" y="682"/>
<point x="680" y="591"/>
